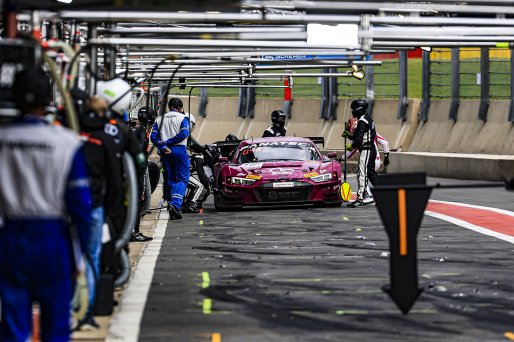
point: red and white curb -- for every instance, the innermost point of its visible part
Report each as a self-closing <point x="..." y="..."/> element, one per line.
<point x="494" y="222"/>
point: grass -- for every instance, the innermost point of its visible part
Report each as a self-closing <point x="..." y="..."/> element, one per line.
<point x="387" y="82"/>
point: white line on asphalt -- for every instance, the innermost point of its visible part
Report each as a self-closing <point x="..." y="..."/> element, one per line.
<point x="496" y="210"/>
<point x="125" y="324"/>
<point x="473" y="227"/>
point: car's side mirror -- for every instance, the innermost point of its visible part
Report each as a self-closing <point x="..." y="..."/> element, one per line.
<point x="222" y="160"/>
<point x="332" y="155"/>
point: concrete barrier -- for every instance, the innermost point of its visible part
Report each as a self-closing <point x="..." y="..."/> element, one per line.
<point x="440" y="146"/>
<point x="221" y="120"/>
<point x="332" y="129"/>
<point x="454" y="165"/>
<point x="305" y="121"/>
<point x="405" y="131"/>
<point x="262" y="118"/>
<point x="432" y="135"/>
<point x="497" y="134"/>
<point x="384" y="115"/>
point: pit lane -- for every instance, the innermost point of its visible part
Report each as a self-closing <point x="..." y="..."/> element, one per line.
<point x="314" y="274"/>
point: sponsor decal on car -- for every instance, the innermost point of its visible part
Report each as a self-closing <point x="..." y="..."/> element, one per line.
<point x="256" y="177"/>
<point x="275" y="143"/>
<point x="280" y="171"/>
<point x="252" y="165"/>
<point x="310" y="175"/>
<point x="283" y="185"/>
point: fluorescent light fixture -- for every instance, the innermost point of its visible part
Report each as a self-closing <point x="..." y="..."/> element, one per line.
<point x="339" y="35"/>
<point x="426" y="48"/>
<point x="65" y="1"/>
<point x="357" y="72"/>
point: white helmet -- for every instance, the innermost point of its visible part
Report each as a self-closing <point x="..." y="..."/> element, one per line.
<point x="117" y="93"/>
<point x="192" y="120"/>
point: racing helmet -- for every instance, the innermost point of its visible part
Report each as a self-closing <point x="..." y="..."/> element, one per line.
<point x="117" y="93"/>
<point x="146" y="115"/>
<point x="211" y="155"/>
<point x="278" y="118"/>
<point x="231" y="137"/>
<point x="32" y="88"/>
<point x="359" y="107"/>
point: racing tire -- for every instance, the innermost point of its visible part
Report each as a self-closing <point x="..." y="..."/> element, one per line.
<point x="154" y="173"/>
<point x="218" y="199"/>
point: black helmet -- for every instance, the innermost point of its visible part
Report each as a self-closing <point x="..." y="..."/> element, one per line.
<point x="278" y="117"/>
<point x="146" y="115"/>
<point x="359" y="107"/>
<point x="231" y="137"/>
<point x="32" y="88"/>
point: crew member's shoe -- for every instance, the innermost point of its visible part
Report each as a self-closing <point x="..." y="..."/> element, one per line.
<point x="355" y="204"/>
<point x="190" y="209"/>
<point x="140" y="237"/>
<point x="368" y="200"/>
<point x="87" y="324"/>
<point x="174" y="213"/>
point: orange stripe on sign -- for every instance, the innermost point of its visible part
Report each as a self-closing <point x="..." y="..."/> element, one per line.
<point x="402" y="217"/>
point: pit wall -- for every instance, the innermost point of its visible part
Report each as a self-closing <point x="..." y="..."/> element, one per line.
<point x="221" y="120"/>
<point x="465" y="149"/>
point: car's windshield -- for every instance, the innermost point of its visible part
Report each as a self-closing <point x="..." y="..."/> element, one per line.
<point x="278" y="151"/>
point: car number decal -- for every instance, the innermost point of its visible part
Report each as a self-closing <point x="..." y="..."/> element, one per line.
<point x="310" y="175"/>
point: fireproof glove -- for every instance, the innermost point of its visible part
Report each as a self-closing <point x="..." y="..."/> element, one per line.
<point x="349" y="147"/>
<point x="386" y="159"/>
<point x="345" y="134"/>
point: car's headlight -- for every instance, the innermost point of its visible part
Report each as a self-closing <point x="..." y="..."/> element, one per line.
<point x="241" y="181"/>
<point x="322" y="178"/>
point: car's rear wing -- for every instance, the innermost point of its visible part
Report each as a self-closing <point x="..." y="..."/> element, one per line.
<point x="227" y="147"/>
<point x="317" y="140"/>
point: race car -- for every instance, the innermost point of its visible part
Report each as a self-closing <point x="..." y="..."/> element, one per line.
<point x="275" y="171"/>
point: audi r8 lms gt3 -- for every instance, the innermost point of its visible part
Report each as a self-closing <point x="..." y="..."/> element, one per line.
<point x="276" y="171"/>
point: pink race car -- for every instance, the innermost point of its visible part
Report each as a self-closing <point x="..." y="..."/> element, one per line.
<point x="276" y="171"/>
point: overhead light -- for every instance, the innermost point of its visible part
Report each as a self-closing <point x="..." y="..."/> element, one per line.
<point x="357" y="72"/>
<point x="65" y="1"/>
<point x="426" y="48"/>
<point x="339" y="35"/>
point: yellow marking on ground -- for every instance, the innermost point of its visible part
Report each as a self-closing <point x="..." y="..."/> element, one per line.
<point x="402" y="217"/>
<point x="206" y="280"/>
<point x="207" y="306"/>
<point x="216" y="337"/>
<point x="509" y="335"/>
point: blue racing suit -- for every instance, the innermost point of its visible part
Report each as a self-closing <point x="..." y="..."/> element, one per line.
<point x="171" y="131"/>
<point x="43" y="188"/>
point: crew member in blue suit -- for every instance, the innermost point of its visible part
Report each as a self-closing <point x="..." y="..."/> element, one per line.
<point x="169" y="135"/>
<point x="43" y="189"/>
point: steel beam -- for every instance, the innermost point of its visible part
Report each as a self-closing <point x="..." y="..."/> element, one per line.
<point x="484" y="84"/>
<point x="455" y="99"/>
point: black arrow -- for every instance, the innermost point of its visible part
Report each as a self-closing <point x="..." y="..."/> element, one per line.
<point x="401" y="211"/>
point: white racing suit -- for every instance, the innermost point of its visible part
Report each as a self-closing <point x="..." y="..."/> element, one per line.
<point x="199" y="186"/>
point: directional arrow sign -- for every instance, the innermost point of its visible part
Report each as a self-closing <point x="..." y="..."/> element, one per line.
<point x="401" y="211"/>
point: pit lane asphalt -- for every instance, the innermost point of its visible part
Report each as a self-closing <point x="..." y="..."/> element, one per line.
<point x="314" y="274"/>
